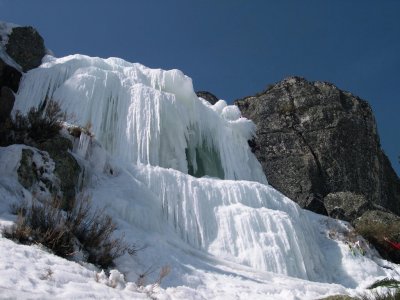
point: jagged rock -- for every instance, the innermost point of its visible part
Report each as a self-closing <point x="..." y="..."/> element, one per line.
<point x="9" y="76"/>
<point x="7" y="100"/>
<point x="9" y="82"/>
<point x="27" y="174"/>
<point x="345" y="205"/>
<point x="26" y="47"/>
<point x="59" y="164"/>
<point x="207" y="96"/>
<point x="35" y="172"/>
<point x="314" y="140"/>
<point x="67" y="168"/>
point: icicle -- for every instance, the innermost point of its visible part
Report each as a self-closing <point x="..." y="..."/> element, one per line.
<point x="83" y="145"/>
<point x="146" y="116"/>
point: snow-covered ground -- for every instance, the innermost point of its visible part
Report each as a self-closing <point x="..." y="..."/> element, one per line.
<point x="225" y="235"/>
<point x="34" y="273"/>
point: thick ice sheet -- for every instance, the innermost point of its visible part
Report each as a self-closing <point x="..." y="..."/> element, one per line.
<point x="241" y="221"/>
<point x="147" y="116"/>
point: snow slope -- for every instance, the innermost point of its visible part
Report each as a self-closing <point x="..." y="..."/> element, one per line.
<point x="225" y="233"/>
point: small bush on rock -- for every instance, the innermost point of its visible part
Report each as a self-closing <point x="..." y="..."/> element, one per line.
<point x="383" y="295"/>
<point x="376" y="232"/>
<point x="40" y="124"/>
<point x="386" y="282"/>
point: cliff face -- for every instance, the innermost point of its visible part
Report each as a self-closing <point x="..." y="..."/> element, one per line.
<point x="207" y="96"/>
<point x="320" y="147"/>
<point x="21" y="49"/>
<point x="9" y="82"/>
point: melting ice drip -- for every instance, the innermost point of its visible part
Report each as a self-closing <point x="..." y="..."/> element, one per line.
<point x="153" y="118"/>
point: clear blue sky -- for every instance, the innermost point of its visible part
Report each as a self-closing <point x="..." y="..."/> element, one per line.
<point x="236" y="48"/>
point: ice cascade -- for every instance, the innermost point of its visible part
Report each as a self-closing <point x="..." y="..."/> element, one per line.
<point x="146" y="116"/>
<point x="153" y="122"/>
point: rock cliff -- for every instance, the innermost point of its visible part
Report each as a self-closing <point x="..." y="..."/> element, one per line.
<point x="207" y="96"/>
<point x="320" y="147"/>
<point x="26" y="47"/>
<point x="21" y="49"/>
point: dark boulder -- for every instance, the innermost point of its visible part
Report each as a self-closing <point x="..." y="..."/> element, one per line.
<point x="319" y="146"/>
<point x="27" y="171"/>
<point x="57" y="163"/>
<point x="7" y="100"/>
<point x="66" y="169"/>
<point x="345" y="205"/>
<point x="207" y="96"/>
<point x="9" y="76"/>
<point x="26" y="47"/>
<point x="9" y="82"/>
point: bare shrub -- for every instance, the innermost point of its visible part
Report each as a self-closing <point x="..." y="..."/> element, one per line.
<point x="142" y="277"/>
<point x="383" y="295"/>
<point x="47" y="275"/>
<point x="47" y="224"/>
<point x="94" y="232"/>
<point x="376" y="233"/>
<point x="386" y="282"/>
<point x="42" y="223"/>
<point x="39" y="124"/>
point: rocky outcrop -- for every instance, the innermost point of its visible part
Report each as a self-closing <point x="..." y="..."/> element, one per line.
<point x="9" y="76"/>
<point x="319" y="146"/>
<point x="346" y="205"/>
<point x="207" y="96"/>
<point x="9" y="82"/>
<point x="51" y="168"/>
<point x="26" y="47"/>
<point x="66" y="167"/>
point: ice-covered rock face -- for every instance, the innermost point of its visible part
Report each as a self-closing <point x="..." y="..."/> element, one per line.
<point x="146" y="116"/>
<point x="152" y="121"/>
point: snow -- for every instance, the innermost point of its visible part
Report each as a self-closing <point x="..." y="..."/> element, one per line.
<point x="225" y="233"/>
<point x="241" y="221"/>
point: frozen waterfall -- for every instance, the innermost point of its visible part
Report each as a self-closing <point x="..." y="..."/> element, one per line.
<point x="145" y="115"/>
<point x="153" y="122"/>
